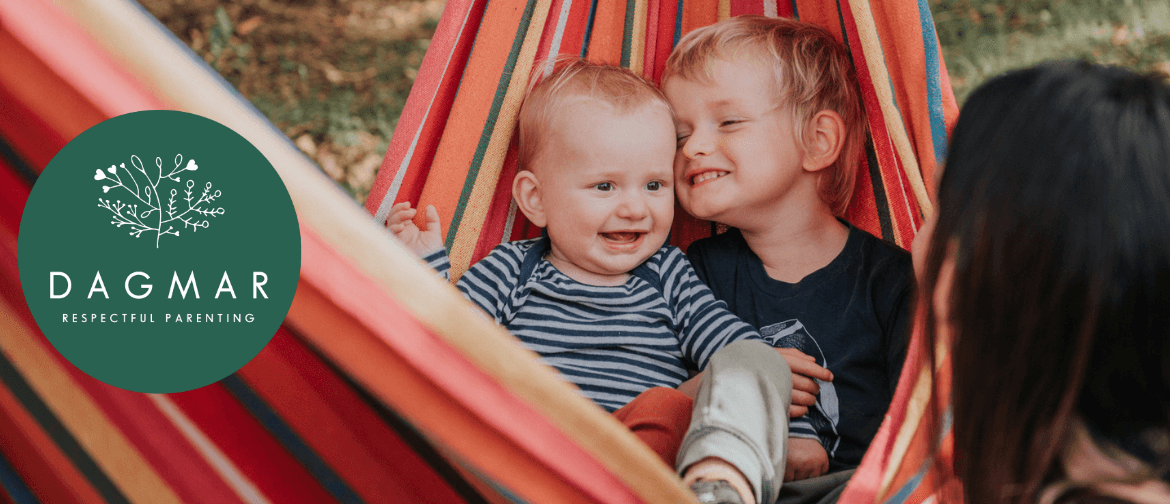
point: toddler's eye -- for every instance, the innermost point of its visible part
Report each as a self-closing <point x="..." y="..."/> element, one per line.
<point x="682" y="139"/>
<point x="604" y="186"/>
<point x="730" y="122"/>
<point x="654" y="186"/>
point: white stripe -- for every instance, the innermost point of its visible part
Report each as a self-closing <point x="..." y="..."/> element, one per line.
<point x="510" y="222"/>
<point x="392" y="193"/>
<point x="239" y="483"/>
<point x="554" y="48"/>
<point x="770" y="8"/>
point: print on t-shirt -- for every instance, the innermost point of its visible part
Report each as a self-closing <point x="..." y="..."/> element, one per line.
<point x="825" y="415"/>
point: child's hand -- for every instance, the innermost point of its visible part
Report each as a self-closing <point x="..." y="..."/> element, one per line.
<point x="420" y="241"/>
<point x="806" y="458"/>
<point x="804" y="388"/>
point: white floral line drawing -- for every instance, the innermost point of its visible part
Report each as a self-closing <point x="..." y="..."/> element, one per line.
<point x="127" y="214"/>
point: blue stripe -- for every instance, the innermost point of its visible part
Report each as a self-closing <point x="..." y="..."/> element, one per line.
<point x="13" y="486"/>
<point x="589" y="28"/>
<point x="293" y="443"/>
<point x="938" y="130"/>
<point x="677" y="24"/>
<point x="907" y="489"/>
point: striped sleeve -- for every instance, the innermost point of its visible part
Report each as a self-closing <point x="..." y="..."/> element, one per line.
<point x="439" y="262"/>
<point x="490" y="282"/>
<point x="802" y="428"/>
<point x="705" y="324"/>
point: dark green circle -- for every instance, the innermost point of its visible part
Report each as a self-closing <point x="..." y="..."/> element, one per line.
<point x="66" y="228"/>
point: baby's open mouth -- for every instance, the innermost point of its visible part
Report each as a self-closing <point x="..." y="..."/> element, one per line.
<point x="705" y="176"/>
<point x="622" y="237"/>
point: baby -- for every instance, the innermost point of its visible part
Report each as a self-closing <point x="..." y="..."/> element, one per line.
<point x="599" y="297"/>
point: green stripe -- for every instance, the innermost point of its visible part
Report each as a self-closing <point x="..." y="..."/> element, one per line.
<point x="628" y="33"/>
<point x="486" y="136"/>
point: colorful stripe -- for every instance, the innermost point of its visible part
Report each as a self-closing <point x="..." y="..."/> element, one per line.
<point x="374" y="382"/>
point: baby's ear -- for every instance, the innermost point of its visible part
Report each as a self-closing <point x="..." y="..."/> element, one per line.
<point x="824" y="137"/>
<point x="526" y="192"/>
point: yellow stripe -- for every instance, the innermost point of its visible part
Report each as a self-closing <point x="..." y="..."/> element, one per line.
<point x="102" y="441"/>
<point x="638" y="38"/>
<point x="480" y="201"/>
<point x="915" y="409"/>
<point x="724" y="9"/>
<point x="875" y="59"/>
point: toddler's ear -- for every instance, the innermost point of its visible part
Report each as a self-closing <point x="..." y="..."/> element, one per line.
<point x="526" y="192"/>
<point x="824" y="138"/>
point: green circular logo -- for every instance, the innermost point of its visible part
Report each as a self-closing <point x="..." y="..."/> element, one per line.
<point x="159" y="251"/>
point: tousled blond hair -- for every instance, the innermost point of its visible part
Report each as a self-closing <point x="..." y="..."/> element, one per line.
<point x="620" y="88"/>
<point x="813" y="72"/>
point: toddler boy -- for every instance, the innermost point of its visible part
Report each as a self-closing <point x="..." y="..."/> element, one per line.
<point x="600" y="298"/>
<point x="770" y="130"/>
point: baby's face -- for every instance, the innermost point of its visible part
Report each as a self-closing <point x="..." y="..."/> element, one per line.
<point x="606" y="185"/>
<point x="738" y="155"/>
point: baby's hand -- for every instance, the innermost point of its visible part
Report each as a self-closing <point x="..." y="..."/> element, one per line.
<point x="420" y="241"/>
<point x="804" y="387"/>
<point x="806" y="458"/>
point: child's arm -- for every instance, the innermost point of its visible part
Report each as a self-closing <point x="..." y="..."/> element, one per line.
<point x="422" y="242"/>
<point x="704" y="324"/>
<point x="806" y="458"/>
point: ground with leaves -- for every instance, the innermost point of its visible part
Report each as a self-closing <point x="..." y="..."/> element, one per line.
<point x="334" y="74"/>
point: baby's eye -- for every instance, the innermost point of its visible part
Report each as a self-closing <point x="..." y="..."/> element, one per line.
<point x="681" y="139"/>
<point x="604" y="186"/>
<point x="729" y="122"/>
<point x="654" y="186"/>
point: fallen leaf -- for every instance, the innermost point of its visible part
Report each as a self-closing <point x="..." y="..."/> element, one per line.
<point x="305" y="144"/>
<point x="249" y="25"/>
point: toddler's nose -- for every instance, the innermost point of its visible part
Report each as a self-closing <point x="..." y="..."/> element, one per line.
<point x="699" y="143"/>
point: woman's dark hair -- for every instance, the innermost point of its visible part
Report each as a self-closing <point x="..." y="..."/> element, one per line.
<point x="1054" y="206"/>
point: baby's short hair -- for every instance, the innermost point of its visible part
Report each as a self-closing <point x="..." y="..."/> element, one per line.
<point x="621" y="88"/>
<point x="813" y="72"/>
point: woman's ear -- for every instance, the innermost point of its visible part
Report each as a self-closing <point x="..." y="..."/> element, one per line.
<point x="526" y="192"/>
<point x="824" y="138"/>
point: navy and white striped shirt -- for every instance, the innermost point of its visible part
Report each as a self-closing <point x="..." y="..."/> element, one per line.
<point x="613" y="342"/>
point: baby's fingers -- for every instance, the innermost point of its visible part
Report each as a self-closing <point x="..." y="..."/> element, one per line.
<point x="400" y="216"/>
<point x="432" y="217"/>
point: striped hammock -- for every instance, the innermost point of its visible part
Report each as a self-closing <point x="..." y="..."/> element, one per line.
<point x="382" y="385"/>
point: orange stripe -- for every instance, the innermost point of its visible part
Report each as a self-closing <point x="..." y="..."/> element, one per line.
<point x="907" y="67"/>
<point x="821" y="13"/>
<point x="479" y="201"/>
<point x="470" y="112"/>
<point x="699" y="13"/>
<point x="337" y="425"/>
<point x="41" y="463"/>
<point x="395" y="381"/>
<point x="609" y="23"/>
<point x="101" y="439"/>
<point x="50" y="101"/>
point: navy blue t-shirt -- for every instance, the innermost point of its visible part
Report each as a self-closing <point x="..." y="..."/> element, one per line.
<point x="852" y="316"/>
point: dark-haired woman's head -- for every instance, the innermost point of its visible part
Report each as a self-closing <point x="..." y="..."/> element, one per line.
<point x="1049" y="268"/>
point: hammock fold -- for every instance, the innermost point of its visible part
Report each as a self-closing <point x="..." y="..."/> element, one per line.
<point x="452" y="146"/>
<point x="383" y="383"/>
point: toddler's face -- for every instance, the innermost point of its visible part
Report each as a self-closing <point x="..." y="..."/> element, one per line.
<point x="738" y="155"/>
<point x="606" y="185"/>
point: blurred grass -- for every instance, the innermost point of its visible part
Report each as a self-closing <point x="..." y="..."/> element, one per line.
<point x="334" y="74"/>
<point x="984" y="38"/>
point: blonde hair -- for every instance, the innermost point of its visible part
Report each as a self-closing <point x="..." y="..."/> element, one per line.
<point x="813" y="72"/>
<point x="620" y="88"/>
